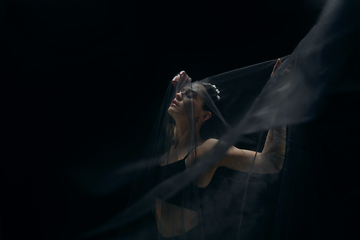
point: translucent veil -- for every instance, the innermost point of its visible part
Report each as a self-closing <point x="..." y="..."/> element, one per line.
<point x="243" y="172"/>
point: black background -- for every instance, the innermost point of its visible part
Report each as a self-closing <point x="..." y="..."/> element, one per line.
<point x="82" y="77"/>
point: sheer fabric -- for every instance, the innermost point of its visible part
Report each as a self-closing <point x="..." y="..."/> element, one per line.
<point x="248" y="171"/>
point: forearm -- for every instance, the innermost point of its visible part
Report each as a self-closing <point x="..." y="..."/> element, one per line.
<point x="274" y="149"/>
<point x="275" y="141"/>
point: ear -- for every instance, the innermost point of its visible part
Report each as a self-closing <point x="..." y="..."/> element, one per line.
<point x="206" y="116"/>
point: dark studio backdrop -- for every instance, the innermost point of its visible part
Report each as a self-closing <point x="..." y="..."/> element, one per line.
<point x="83" y="79"/>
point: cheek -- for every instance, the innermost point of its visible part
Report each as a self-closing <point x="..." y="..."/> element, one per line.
<point x="187" y="105"/>
<point x="198" y="109"/>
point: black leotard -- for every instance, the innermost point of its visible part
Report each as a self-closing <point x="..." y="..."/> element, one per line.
<point x="257" y="211"/>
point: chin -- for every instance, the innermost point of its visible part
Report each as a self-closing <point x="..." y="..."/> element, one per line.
<point x="171" y="111"/>
<point x="174" y="112"/>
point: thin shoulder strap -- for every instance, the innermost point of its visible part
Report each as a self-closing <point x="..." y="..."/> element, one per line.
<point x="189" y="153"/>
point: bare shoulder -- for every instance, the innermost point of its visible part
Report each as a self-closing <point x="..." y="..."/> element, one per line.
<point x="203" y="148"/>
<point x="211" y="142"/>
<point x="207" y="145"/>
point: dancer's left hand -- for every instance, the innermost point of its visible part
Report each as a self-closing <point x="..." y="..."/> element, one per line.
<point x="276" y="66"/>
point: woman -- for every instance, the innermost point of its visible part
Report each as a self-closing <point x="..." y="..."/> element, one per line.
<point x="190" y="106"/>
<point x="207" y="188"/>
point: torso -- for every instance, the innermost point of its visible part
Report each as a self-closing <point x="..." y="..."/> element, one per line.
<point x="173" y="155"/>
<point x="178" y="154"/>
<point x="169" y="216"/>
<point x="171" y="222"/>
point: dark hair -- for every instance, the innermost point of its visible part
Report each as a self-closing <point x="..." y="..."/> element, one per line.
<point x="213" y="127"/>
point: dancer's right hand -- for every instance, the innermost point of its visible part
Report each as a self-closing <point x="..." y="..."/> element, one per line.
<point x="181" y="76"/>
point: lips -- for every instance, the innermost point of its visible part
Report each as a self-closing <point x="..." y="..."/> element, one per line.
<point x="174" y="103"/>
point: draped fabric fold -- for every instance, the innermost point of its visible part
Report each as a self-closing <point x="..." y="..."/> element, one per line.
<point x="240" y="155"/>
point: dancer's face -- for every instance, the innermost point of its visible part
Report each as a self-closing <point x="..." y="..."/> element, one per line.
<point x="182" y="104"/>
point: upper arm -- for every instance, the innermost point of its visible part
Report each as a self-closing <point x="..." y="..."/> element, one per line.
<point x="242" y="159"/>
<point x="238" y="159"/>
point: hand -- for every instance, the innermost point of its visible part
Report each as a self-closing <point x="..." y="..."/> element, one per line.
<point x="276" y="66"/>
<point x="182" y="76"/>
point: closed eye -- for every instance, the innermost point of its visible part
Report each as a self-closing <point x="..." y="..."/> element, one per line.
<point x="186" y="91"/>
<point x="190" y="93"/>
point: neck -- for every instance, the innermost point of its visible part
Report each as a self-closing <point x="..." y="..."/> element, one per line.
<point x="182" y="134"/>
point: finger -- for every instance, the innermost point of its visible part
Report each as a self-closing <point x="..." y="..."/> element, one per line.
<point x="174" y="81"/>
<point x="276" y="66"/>
<point x="176" y="78"/>
<point x="184" y="75"/>
<point x="278" y="62"/>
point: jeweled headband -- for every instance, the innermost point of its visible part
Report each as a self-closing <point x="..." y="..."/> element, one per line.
<point x="216" y="90"/>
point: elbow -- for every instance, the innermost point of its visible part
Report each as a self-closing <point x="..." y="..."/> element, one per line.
<point x="271" y="162"/>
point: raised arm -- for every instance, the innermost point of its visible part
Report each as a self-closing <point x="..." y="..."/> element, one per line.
<point x="270" y="160"/>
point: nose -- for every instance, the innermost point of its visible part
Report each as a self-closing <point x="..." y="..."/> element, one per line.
<point x="178" y="96"/>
